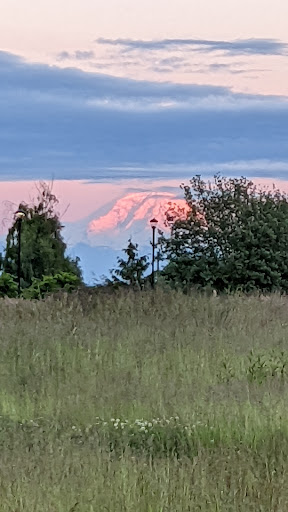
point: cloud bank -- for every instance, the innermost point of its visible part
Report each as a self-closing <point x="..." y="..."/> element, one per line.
<point x="65" y="123"/>
<point x="253" y="46"/>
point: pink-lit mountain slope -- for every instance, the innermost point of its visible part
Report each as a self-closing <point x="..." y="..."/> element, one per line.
<point x="99" y="239"/>
<point x="130" y="217"/>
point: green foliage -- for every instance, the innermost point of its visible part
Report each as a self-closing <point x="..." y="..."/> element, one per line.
<point x="267" y="365"/>
<point x="235" y="237"/>
<point x="8" y="286"/>
<point x="131" y="270"/>
<point x="51" y="284"/>
<point x="257" y="367"/>
<point x="42" y="245"/>
<point x="226" y="372"/>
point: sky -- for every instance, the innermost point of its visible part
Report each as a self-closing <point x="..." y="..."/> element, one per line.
<point x="88" y="34"/>
<point x="108" y="96"/>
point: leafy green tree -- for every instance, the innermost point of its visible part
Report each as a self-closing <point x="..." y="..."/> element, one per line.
<point x="131" y="270"/>
<point x="42" y="245"/>
<point x="8" y="286"/>
<point x="235" y="236"/>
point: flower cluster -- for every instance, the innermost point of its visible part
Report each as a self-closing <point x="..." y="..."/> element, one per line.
<point x="155" y="436"/>
<point x="140" y="425"/>
<point x="143" y="426"/>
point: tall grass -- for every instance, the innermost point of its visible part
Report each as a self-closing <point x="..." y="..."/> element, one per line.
<point x="144" y="402"/>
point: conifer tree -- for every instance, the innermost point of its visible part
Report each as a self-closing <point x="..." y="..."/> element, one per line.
<point x="132" y="269"/>
<point x="42" y="245"/>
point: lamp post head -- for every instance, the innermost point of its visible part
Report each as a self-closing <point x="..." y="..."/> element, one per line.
<point x="153" y="223"/>
<point x="19" y="215"/>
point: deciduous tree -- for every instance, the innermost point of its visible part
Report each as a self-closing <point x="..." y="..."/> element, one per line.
<point x="234" y="236"/>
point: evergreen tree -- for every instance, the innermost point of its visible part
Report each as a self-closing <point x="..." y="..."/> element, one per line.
<point x="235" y="236"/>
<point x="130" y="270"/>
<point x="42" y="245"/>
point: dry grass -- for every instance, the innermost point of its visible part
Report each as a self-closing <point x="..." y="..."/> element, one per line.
<point x="70" y="365"/>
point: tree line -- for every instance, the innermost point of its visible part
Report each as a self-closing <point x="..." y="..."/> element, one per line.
<point x="233" y="236"/>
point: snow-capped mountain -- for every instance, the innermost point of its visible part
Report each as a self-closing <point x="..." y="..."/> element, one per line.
<point x="130" y="217"/>
<point x="99" y="239"/>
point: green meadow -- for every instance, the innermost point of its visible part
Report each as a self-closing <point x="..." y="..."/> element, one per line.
<point x="144" y="402"/>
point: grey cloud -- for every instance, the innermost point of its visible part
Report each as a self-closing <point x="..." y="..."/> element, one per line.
<point x="219" y="66"/>
<point x="171" y="61"/>
<point x="253" y="46"/>
<point x="69" y="82"/>
<point x="101" y="65"/>
<point x="233" y="68"/>
<point x="77" y="55"/>
<point x="169" y="64"/>
<point x="84" y="55"/>
<point x="162" y="69"/>
<point x="75" y="125"/>
<point x="64" y="56"/>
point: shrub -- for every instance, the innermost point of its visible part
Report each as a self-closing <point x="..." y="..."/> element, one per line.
<point x="8" y="287"/>
<point x="51" y="284"/>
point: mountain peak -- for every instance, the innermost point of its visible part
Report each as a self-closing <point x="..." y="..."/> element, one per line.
<point x="130" y="217"/>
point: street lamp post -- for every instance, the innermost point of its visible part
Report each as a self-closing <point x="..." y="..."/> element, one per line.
<point x="153" y="223"/>
<point x="158" y="261"/>
<point x="19" y="216"/>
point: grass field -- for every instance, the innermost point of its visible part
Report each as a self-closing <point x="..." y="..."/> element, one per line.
<point x="144" y="403"/>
